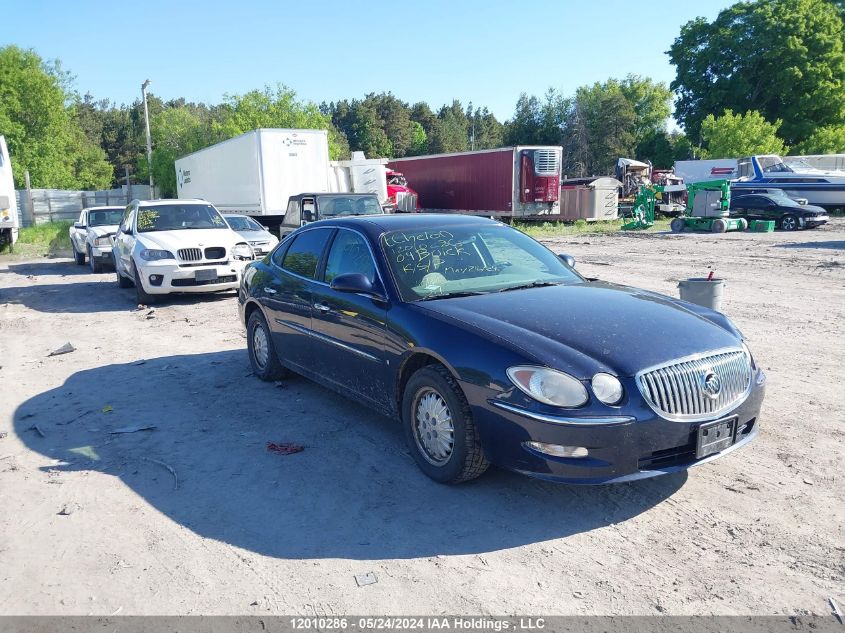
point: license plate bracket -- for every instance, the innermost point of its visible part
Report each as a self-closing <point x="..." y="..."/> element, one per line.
<point x="206" y="274"/>
<point x="716" y="436"/>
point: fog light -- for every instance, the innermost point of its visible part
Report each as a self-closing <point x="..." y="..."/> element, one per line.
<point x="556" y="450"/>
<point x="156" y="279"/>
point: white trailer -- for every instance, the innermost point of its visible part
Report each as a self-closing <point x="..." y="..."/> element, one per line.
<point x="698" y="170"/>
<point x="256" y="173"/>
<point x="9" y="222"/>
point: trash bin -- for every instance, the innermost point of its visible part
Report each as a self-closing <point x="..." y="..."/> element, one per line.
<point x="703" y="292"/>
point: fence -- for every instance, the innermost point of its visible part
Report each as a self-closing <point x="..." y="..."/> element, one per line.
<point x="37" y="206"/>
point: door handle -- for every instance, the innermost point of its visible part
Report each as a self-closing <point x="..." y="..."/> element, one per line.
<point x="269" y="291"/>
<point x="322" y="307"/>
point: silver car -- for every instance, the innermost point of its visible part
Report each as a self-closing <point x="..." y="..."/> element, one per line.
<point x="259" y="238"/>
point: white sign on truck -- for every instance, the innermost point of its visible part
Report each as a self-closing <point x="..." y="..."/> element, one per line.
<point x="255" y="173"/>
<point x="698" y="170"/>
<point x="8" y="204"/>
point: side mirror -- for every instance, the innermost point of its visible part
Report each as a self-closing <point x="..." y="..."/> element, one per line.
<point x="569" y="260"/>
<point x="355" y="282"/>
<point x="78" y="225"/>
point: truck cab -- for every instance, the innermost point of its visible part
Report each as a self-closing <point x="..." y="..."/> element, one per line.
<point x="310" y="207"/>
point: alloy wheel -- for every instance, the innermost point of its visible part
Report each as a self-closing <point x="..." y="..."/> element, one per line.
<point x="260" y="346"/>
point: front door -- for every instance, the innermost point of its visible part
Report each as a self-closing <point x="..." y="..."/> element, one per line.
<point x="78" y="235"/>
<point x="124" y="242"/>
<point x="349" y="328"/>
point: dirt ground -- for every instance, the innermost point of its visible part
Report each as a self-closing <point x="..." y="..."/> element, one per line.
<point x="196" y="517"/>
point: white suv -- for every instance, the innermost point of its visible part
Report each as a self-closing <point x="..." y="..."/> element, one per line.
<point x="91" y="236"/>
<point x="167" y="246"/>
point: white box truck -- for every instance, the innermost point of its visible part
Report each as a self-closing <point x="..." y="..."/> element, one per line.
<point x="699" y="170"/>
<point x="256" y="173"/>
<point x="8" y="205"/>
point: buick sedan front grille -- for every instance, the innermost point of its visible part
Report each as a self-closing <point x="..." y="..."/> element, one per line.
<point x="698" y="387"/>
<point x="189" y="254"/>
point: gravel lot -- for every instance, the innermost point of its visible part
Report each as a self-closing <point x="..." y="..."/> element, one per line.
<point x="93" y="522"/>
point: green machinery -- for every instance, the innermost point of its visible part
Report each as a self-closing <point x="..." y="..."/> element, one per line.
<point x="706" y="209"/>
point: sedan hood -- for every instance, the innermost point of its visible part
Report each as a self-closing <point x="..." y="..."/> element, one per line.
<point x="591" y="327"/>
<point x="189" y="238"/>
<point x="811" y="209"/>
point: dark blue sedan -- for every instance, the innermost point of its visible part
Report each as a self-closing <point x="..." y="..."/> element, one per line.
<point x="491" y="349"/>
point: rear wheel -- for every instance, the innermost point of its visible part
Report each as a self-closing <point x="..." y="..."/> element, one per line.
<point x="439" y="429"/>
<point x="262" y="353"/>
<point x="743" y="224"/>
<point x="96" y="267"/>
<point x="677" y="225"/>
<point x="141" y="295"/>
<point x="789" y="222"/>
<point x="719" y="226"/>
<point x="79" y="257"/>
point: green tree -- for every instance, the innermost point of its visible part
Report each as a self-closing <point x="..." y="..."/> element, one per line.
<point x="486" y="132"/>
<point x="652" y="104"/>
<point x="419" y="140"/>
<point x="825" y="140"/>
<point x="782" y="58"/>
<point x="733" y="135"/>
<point x="38" y="121"/>
<point x="451" y="132"/>
<point x="177" y="132"/>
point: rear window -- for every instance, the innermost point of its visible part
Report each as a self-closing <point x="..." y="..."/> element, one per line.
<point x="333" y="206"/>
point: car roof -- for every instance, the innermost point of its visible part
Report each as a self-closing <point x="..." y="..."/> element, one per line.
<point x="154" y="203"/>
<point x="105" y="208"/>
<point x="333" y="194"/>
<point x="375" y="225"/>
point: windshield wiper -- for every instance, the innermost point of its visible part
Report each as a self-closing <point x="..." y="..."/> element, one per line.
<point x="533" y="284"/>
<point x="451" y="295"/>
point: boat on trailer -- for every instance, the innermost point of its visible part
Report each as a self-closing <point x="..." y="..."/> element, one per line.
<point x="822" y="188"/>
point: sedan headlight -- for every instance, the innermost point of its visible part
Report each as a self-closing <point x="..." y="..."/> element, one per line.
<point x="102" y="241"/>
<point x="152" y="254"/>
<point x="242" y="251"/>
<point x="607" y="388"/>
<point x="549" y="386"/>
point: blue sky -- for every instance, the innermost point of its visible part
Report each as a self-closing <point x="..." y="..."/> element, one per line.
<point x="434" y="51"/>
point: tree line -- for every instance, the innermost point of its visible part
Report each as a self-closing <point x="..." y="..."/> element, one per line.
<point x="766" y="76"/>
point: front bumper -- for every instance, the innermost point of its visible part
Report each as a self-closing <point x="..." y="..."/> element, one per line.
<point x="815" y="221"/>
<point x="103" y="254"/>
<point x="161" y="278"/>
<point x="635" y="444"/>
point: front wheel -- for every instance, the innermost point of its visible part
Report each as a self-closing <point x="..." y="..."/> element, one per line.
<point x="141" y="296"/>
<point x="439" y="429"/>
<point x="96" y="267"/>
<point x="262" y="353"/>
<point x="77" y="256"/>
<point x="789" y="222"/>
<point x="677" y="225"/>
<point x="719" y="226"/>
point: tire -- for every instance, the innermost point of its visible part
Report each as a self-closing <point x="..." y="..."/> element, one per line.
<point x="743" y="224"/>
<point x="79" y="257"/>
<point x="96" y="267"/>
<point x="433" y="391"/>
<point x="140" y="295"/>
<point x="122" y="282"/>
<point x="262" y="352"/>
<point x="789" y="222"/>
<point x="719" y="226"/>
<point x="677" y="225"/>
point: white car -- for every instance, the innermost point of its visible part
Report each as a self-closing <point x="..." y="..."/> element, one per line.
<point x="261" y="240"/>
<point x="168" y="246"/>
<point x="91" y="236"/>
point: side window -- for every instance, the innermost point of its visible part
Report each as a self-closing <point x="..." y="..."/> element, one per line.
<point x="309" y="210"/>
<point x="349" y="254"/>
<point x="126" y="224"/>
<point x="303" y="255"/>
<point x="292" y="214"/>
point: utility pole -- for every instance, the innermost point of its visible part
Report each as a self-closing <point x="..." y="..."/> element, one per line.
<point x="149" y="139"/>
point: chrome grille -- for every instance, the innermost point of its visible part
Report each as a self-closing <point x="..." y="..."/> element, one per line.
<point x="678" y="390"/>
<point x="546" y="162"/>
<point x="189" y="254"/>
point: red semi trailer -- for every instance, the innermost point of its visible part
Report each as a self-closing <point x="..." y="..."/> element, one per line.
<point x="518" y="182"/>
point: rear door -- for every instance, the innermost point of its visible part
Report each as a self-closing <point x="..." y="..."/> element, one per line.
<point x="288" y="296"/>
<point x="349" y="328"/>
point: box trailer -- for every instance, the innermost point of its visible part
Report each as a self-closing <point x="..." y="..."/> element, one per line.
<point x="257" y="172"/>
<point x="9" y="222"/>
<point x="518" y="182"/>
<point x="699" y="170"/>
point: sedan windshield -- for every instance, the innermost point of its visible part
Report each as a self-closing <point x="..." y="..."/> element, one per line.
<point x="175" y="217"/>
<point x="467" y="260"/>
<point x="105" y="217"/>
<point x="333" y="206"/>
<point x="243" y="223"/>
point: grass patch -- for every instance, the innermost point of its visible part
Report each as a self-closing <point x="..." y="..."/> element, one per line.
<point x="580" y="227"/>
<point x="50" y="238"/>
